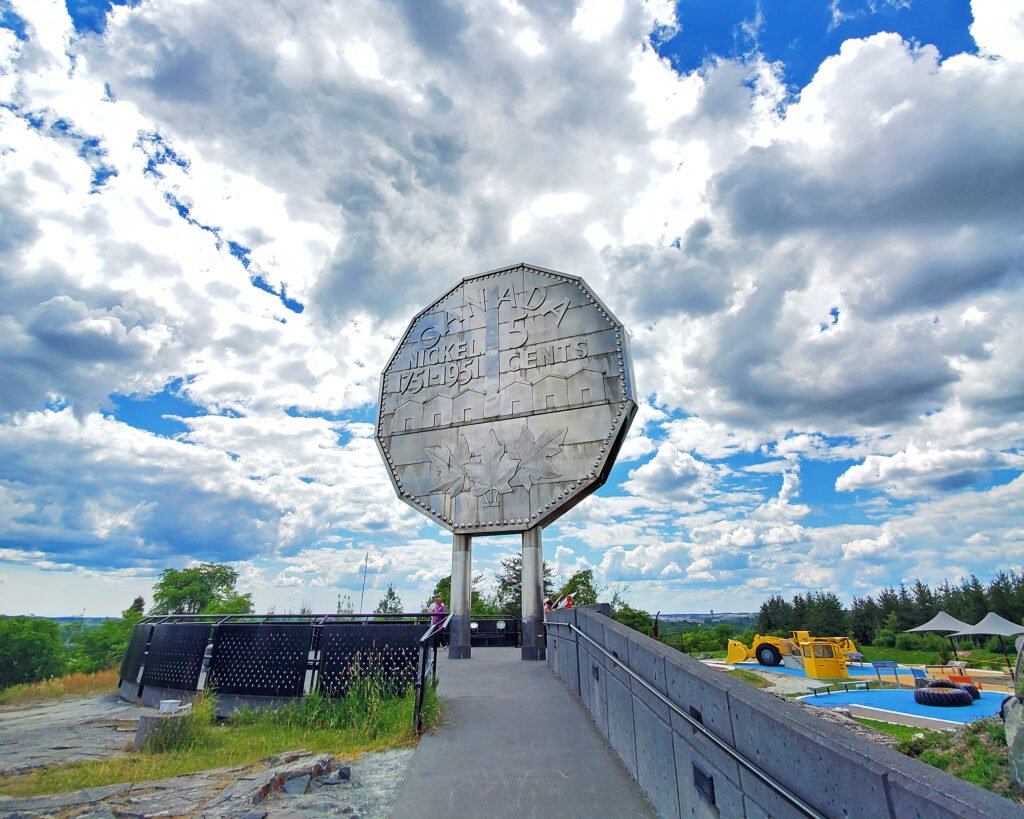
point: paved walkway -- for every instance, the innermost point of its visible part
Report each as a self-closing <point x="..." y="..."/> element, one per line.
<point x="514" y="743"/>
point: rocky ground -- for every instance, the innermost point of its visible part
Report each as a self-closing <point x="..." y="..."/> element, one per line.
<point x="72" y="730"/>
<point x="298" y="784"/>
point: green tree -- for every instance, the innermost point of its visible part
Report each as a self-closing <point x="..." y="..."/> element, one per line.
<point x="924" y="608"/>
<point x="31" y="649"/>
<point x="865" y="619"/>
<point x="974" y="599"/>
<point x="508" y="595"/>
<point x="345" y="605"/>
<point x="886" y="635"/>
<point x="775" y="615"/>
<point x="825" y="615"/>
<point x="390" y="603"/>
<point x="480" y="606"/>
<point x="205" y="589"/>
<point x="581" y="587"/>
<point x="442" y="589"/>
<point x="231" y="604"/>
<point x="104" y="646"/>
<point x="636" y="619"/>
<point x="1000" y="597"/>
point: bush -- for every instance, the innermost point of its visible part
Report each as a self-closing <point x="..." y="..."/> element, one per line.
<point x="907" y="642"/>
<point x="187" y="732"/>
<point x="30" y="649"/>
<point x="885" y="638"/>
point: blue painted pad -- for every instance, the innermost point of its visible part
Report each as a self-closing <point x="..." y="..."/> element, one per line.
<point x="902" y="701"/>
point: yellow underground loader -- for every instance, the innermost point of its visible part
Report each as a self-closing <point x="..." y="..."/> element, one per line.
<point x="821" y="656"/>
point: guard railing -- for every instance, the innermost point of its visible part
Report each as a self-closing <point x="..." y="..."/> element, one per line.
<point x="749" y="765"/>
<point x="427" y="667"/>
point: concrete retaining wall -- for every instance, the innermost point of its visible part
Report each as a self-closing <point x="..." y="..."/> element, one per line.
<point x="833" y="770"/>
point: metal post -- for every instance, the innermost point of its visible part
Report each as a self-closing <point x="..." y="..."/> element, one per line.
<point x="533" y="596"/>
<point x="462" y="569"/>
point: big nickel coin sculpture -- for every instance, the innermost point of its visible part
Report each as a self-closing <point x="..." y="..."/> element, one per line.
<point x="504" y="406"/>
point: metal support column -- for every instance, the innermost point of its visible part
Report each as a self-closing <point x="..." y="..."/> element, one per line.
<point x="462" y="571"/>
<point x="533" y="596"/>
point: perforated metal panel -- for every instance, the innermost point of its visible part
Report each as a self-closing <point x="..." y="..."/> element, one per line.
<point x="265" y="660"/>
<point x="390" y="650"/>
<point x="136" y="653"/>
<point x="176" y="655"/>
<point x="488" y="633"/>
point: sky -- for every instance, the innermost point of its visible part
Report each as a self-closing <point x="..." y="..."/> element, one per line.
<point x="217" y="218"/>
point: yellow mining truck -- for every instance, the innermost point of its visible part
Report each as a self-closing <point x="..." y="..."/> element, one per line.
<point x="822" y="657"/>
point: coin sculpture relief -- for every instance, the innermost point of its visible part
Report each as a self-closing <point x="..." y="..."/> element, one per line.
<point x="506" y="401"/>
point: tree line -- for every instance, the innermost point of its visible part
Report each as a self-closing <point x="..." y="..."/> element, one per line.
<point x="36" y="648"/>
<point x="506" y="599"/>
<point x="881" y="619"/>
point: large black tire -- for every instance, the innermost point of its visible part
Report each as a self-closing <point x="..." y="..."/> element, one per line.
<point x="943" y="697"/>
<point x="972" y="690"/>
<point x="767" y="654"/>
<point x="942" y="684"/>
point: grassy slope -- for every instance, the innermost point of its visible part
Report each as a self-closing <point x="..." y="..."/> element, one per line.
<point x="344" y="728"/>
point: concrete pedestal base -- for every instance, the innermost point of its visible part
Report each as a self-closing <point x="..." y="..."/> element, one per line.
<point x="459" y="652"/>
<point x="534" y="653"/>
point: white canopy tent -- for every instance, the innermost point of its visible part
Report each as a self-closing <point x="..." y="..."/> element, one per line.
<point x="992" y="623"/>
<point x="943" y="622"/>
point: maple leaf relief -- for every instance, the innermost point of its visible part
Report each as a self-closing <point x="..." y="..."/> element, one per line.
<point x="491" y="476"/>
<point x="533" y="455"/>
<point x="448" y="470"/>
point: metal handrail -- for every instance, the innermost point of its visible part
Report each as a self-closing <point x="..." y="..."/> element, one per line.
<point x="427" y="664"/>
<point x="723" y="746"/>
<point x="262" y="619"/>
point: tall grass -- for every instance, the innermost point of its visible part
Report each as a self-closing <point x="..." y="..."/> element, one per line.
<point x="186" y="732"/>
<point x="70" y="685"/>
<point x="365" y="720"/>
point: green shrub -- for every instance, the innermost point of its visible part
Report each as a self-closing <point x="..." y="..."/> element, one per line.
<point x="188" y="732"/>
<point x="885" y="638"/>
<point x="907" y="642"/>
<point x="31" y="649"/>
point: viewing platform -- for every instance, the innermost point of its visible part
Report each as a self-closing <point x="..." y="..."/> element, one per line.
<point x="513" y="742"/>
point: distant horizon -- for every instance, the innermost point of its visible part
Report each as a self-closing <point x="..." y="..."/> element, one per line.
<point x="361" y="613"/>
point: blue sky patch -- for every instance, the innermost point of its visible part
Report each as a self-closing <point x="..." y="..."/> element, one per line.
<point x="91" y="15"/>
<point x="801" y="34"/>
<point x="150" y="412"/>
<point x="11" y="21"/>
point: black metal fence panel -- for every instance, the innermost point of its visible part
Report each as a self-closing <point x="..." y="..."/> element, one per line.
<point x="388" y="651"/>
<point x="176" y="655"/>
<point x="265" y="660"/>
<point x="136" y="652"/>
<point x="494" y="631"/>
